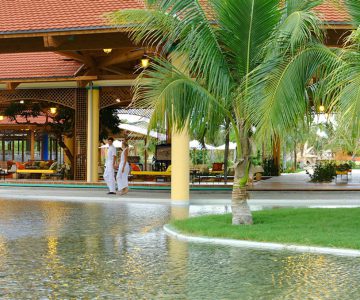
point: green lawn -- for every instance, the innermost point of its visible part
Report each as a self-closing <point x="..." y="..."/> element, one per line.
<point x="338" y="227"/>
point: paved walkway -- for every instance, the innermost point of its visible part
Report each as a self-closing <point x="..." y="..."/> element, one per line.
<point x="300" y="182"/>
<point x="262" y="198"/>
<point x="285" y="182"/>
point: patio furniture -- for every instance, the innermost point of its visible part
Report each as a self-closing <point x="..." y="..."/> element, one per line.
<point x="42" y="169"/>
<point x="35" y="171"/>
<point x="217" y="169"/>
<point x="157" y="174"/>
<point x="3" y="173"/>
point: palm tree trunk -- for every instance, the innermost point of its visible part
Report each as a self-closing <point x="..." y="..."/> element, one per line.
<point x="295" y="158"/>
<point x="226" y="152"/>
<point x="241" y="213"/>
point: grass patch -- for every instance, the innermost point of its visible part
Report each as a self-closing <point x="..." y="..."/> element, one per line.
<point x="338" y="227"/>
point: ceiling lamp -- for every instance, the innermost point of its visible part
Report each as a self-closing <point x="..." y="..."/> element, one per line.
<point x="321" y="108"/>
<point x="145" y="62"/>
<point x="1" y="118"/>
<point x="118" y="100"/>
<point x="53" y="110"/>
<point x="22" y="101"/>
<point x="107" y="51"/>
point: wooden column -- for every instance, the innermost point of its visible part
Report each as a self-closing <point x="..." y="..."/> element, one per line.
<point x="32" y="145"/>
<point x="3" y="148"/>
<point x="23" y="150"/>
<point x="12" y="146"/>
<point x="145" y="154"/>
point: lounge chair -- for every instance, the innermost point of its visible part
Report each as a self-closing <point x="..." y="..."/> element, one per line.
<point x="155" y="174"/>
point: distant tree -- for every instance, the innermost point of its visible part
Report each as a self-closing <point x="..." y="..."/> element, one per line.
<point x="109" y="123"/>
<point x="62" y="123"/>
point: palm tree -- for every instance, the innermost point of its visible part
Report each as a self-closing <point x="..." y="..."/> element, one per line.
<point x="226" y="45"/>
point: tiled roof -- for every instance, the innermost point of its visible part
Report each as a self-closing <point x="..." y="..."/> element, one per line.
<point x="56" y="15"/>
<point x="36" y="65"/>
<point x="52" y="15"/>
<point x="38" y="120"/>
<point x="333" y="13"/>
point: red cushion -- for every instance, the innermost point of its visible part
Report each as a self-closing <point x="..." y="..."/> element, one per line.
<point x="20" y="166"/>
<point x="135" y="167"/>
<point x="217" y="166"/>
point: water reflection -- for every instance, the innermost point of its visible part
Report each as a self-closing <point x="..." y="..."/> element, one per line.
<point x="180" y="212"/>
<point x="51" y="250"/>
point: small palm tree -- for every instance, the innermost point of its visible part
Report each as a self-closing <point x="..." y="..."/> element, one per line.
<point x="226" y="47"/>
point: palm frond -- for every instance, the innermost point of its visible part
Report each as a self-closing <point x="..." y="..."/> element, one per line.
<point x="182" y="26"/>
<point x="244" y="27"/>
<point x="174" y="94"/>
<point x="354" y="10"/>
<point x="292" y="6"/>
<point x="278" y="98"/>
<point x="297" y="30"/>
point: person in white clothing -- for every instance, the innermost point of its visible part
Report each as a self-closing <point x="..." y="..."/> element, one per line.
<point x="109" y="174"/>
<point x="123" y="171"/>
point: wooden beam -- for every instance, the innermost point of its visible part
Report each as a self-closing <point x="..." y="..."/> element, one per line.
<point x="63" y="33"/>
<point x="91" y="63"/>
<point x="120" y="57"/>
<point x="12" y="85"/>
<point x="83" y="83"/>
<point x="72" y="54"/>
<point x="117" y="71"/>
<point x="115" y="40"/>
<point x="78" y="78"/>
<point x="52" y="41"/>
<point x="118" y="77"/>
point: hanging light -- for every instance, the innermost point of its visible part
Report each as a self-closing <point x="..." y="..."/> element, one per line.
<point x="107" y="51"/>
<point x="145" y="62"/>
<point x="321" y="108"/>
<point x="53" y="110"/>
<point x="1" y="118"/>
<point x="22" y="101"/>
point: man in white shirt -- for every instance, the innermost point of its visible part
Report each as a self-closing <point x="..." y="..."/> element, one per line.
<point x="109" y="174"/>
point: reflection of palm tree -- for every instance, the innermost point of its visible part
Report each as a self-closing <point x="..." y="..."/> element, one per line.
<point x="213" y="84"/>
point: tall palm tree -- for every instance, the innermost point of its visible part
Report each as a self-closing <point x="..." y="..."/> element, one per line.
<point x="224" y="43"/>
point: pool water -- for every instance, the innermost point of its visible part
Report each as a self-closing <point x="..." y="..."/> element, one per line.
<point x="65" y="250"/>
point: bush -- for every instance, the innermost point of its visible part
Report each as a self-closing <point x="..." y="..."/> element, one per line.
<point x="270" y="168"/>
<point x="323" y="172"/>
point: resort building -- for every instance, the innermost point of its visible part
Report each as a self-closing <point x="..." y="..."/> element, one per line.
<point x="65" y="54"/>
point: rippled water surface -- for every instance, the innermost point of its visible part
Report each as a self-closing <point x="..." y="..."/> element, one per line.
<point x="59" y="250"/>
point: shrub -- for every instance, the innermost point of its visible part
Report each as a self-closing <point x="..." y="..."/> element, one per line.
<point x="323" y="172"/>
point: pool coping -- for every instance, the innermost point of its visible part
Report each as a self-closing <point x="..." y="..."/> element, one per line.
<point x="170" y="230"/>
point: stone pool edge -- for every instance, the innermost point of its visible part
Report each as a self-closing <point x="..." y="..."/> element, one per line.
<point x="170" y="230"/>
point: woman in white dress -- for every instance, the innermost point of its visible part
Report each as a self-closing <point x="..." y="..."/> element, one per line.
<point x="123" y="171"/>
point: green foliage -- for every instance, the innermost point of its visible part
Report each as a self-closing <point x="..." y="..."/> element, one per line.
<point x="256" y="160"/>
<point x="109" y="123"/>
<point x="354" y="9"/>
<point x="323" y="172"/>
<point x="303" y="226"/>
<point x="62" y="123"/>
<point x="269" y="167"/>
<point x="199" y="157"/>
